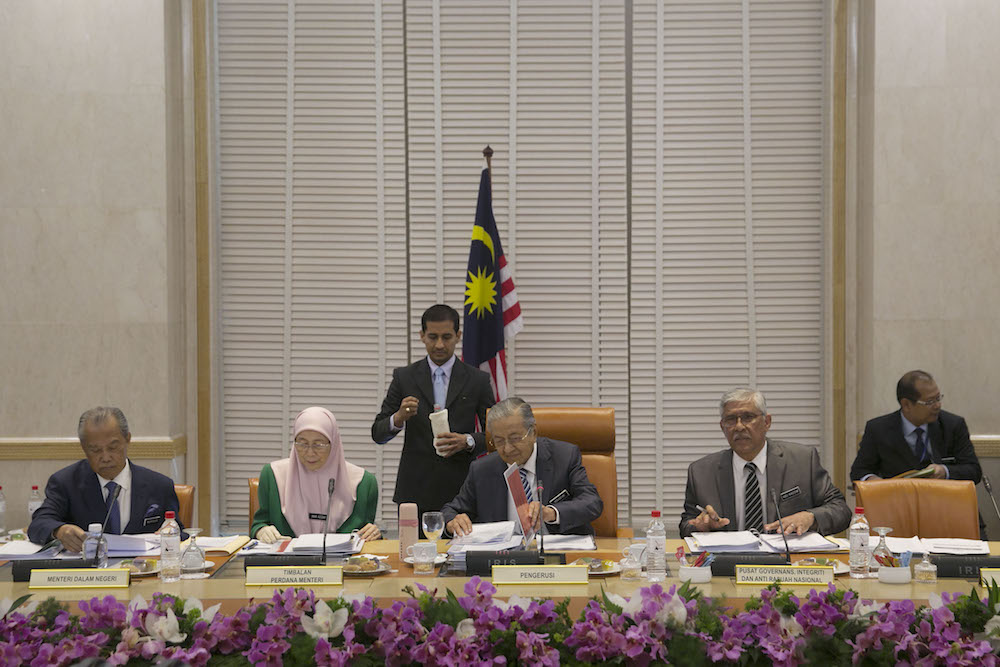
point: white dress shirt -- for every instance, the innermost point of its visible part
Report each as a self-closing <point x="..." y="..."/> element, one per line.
<point x="446" y="367"/>
<point x="740" y="484"/>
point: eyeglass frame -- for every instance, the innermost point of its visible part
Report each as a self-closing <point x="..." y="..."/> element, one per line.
<point x="505" y="443"/>
<point x="740" y="419"/>
<point x="314" y="446"/>
<point x="937" y="400"/>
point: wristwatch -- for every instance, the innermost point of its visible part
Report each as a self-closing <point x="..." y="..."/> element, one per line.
<point x="470" y="441"/>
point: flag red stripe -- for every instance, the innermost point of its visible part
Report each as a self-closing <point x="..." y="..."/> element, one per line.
<point x="511" y="314"/>
<point x="506" y="287"/>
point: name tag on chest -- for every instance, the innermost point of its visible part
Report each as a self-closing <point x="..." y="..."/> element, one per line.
<point x="313" y="516"/>
<point x="791" y="493"/>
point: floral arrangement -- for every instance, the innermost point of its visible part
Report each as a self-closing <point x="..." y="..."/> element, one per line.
<point x="656" y="626"/>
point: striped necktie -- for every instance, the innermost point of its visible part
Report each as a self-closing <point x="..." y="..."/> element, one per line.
<point x="921" y="446"/>
<point x="114" y="516"/>
<point x="525" y="484"/>
<point x="753" y="512"/>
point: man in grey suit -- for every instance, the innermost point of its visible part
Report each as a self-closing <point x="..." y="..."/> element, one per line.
<point x="726" y="492"/>
<point x="432" y="470"/>
<point x="568" y="503"/>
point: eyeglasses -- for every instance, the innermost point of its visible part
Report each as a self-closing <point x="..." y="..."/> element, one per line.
<point x="931" y="401"/>
<point x="501" y="442"/>
<point x="314" y="446"/>
<point x="746" y="419"/>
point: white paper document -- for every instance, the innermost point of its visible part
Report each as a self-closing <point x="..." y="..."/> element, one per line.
<point x="898" y="545"/>
<point x="725" y="540"/>
<point x="809" y="541"/>
<point x="339" y="544"/>
<point x="568" y="542"/>
<point x="145" y="544"/>
<point x="487" y="533"/>
<point x="25" y="550"/>
<point x="942" y="545"/>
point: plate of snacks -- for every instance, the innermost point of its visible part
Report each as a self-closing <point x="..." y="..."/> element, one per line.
<point x="839" y="567"/>
<point x="598" y="567"/>
<point x="365" y="566"/>
<point x="142" y="567"/>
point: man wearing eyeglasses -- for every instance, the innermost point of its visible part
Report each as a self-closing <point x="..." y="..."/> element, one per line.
<point x="732" y="489"/>
<point x="918" y="435"/>
<point x="569" y="501"/>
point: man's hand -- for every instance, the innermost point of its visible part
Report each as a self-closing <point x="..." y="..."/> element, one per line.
<point x="548" y="513"/>
<point x="449" y="444"/>
<point x="407" y="409"/>
<point x="707" y="521"/>
<point x="460" y="526"/>
<point x="940" y="472"/>
<point x="71" y="536"/>
<point x="370" y="532"/>
<point x="796" y="524"/>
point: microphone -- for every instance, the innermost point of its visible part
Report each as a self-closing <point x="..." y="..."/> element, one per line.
<point x="781" y="526"/>
<point x="541" y="508"/>
<point x="326" y="525"/>
<point x="989" y="490"/>
<point x="114" y="499"/>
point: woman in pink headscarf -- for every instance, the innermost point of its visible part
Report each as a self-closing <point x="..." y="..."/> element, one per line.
<point x="293" y="492"/>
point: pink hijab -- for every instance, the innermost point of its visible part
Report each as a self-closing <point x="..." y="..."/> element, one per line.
<point x="303" y="492"/>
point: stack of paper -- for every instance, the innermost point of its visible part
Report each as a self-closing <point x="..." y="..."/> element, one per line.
<point x="956" y="546"/>
<point x="121" y="546"/>
<point x="219" y="546"/>
<point x="568" y="542"/>
<point x="899" y="545"/>
<point x="495" y="536"/>
<point x="25" y="550"/>
<point x="809" y="541"/>
<point x="337" y="544"/>
<point x="724" y="540"/>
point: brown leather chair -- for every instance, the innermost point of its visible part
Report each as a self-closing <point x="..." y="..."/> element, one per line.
<point x="185" y="503"/>
<point x="254" y="500"/>
<point x="593" y="431"/>
<point x="923" y="507"/>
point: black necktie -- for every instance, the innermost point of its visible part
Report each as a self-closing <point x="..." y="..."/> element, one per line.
<point x="921" y="446"/>
<point x="753" y="512"/>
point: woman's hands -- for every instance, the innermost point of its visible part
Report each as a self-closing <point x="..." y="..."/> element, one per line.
<point x="269" y="535"/>
<point x="370" y="532"/>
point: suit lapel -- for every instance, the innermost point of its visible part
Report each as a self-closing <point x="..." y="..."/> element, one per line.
<point x="935" y="437"/>
<point x="727" y="490"/>
<point x="459" y="375"/>
<point x="776" y="465"/>
<point x="902" y="446"/>
<point x="94" y="495"/>
<point x="544" y="470"/>
<point x="423" y="373"/>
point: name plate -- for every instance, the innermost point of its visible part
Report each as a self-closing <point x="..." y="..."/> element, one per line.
<point x="787" y="574"/>
<point x="316" y="575"/>
<point x="540" y="574"/>
<point x="989" y="575"/>
<point x="80" y="577"/>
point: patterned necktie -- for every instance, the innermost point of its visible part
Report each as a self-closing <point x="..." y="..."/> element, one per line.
<point x="753" y="512"/>
<point x="440" y="389"/>
<point x="921" y="446"/>
<point x="114" y="517"/>
<point x="525" y="484"/>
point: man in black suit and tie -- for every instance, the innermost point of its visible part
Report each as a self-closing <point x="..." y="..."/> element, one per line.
<point x="81" y="494"/>
<point x="569" y="501"/>
<point x="432" y="470"/>
<point x="918" y="435"/>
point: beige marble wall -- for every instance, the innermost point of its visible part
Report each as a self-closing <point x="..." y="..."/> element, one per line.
<point x="91" y="220"/>
<point x="929" y="202"/>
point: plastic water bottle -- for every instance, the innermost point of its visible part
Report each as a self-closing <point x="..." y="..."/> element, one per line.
<point x="95" y="546"/>
<point x="656" y="549"/>
<point x="3" y="511"/>
<point x="860" y="552"/>
<point x="34" y="501"/>
<point x="170" y="549"/>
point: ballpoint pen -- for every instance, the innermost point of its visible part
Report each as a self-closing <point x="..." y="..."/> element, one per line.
<point x="250" y="545"/>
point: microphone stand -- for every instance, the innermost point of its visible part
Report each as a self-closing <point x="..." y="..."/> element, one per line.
<point x="541" y="508"/>
<point x="989" y="490"/>
<point x="107" y="516"/>
<point x="326" y="525"/>
<point x="781" y="526"/>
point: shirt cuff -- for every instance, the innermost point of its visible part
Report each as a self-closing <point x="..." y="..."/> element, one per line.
<point x="865" y="478"/>
<point x="947" y="473"/>
<point x="552" y="523"/>
<point x="392" y="423"/>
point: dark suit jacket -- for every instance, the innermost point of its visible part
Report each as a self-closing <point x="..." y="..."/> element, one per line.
<point x="885" y="452"/>
<point x="424" y="477"/>
<point x="558" y="465"/>
<point x="74" y="495"/>
<point x="792" y="470"/>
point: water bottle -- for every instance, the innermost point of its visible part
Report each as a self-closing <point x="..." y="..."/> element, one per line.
<point x="860" y="552"/>
<point x="170" y="549"/>
<point x="34" y="501"/>
<point x="3" y="511"/>
<point x="95" y="546"/>
<point x="656" y="549"/>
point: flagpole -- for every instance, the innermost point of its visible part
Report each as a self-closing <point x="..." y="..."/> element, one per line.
<point x="488" y="154"/>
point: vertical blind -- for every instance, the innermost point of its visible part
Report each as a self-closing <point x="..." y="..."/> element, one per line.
<point x="349" y="143"/>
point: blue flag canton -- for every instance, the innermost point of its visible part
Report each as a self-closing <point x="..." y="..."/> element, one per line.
<point x="483" y="338"/>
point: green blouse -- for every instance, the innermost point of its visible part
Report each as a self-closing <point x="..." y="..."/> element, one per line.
<point x="269" y="513"/>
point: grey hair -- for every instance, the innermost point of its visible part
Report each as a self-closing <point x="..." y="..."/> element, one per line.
<point x="99" y="415"/>
<point x="509" y="407"/>
<point x="743" y="394"/>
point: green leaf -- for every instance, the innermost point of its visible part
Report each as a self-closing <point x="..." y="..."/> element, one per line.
<point x="17" y="603"/>
<point x="608" y="604"/>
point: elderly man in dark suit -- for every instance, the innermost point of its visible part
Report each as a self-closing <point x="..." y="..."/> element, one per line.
<point x="918" y="435"/>
<point x="569" y="501"/>
<point x="732" y="489"/>
<point x="432" y="470"/>
<point x="82" y="493"/>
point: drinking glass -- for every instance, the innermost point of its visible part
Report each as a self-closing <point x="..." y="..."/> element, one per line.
<point x="433" y="523"/>
<point x="193" y="558"/>
<point x="881" y="550"/>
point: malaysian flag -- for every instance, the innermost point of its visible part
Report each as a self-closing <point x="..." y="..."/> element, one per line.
<point x="490" y="319"/>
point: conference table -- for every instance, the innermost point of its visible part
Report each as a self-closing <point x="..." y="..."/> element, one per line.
<point x="226" y="585"/>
